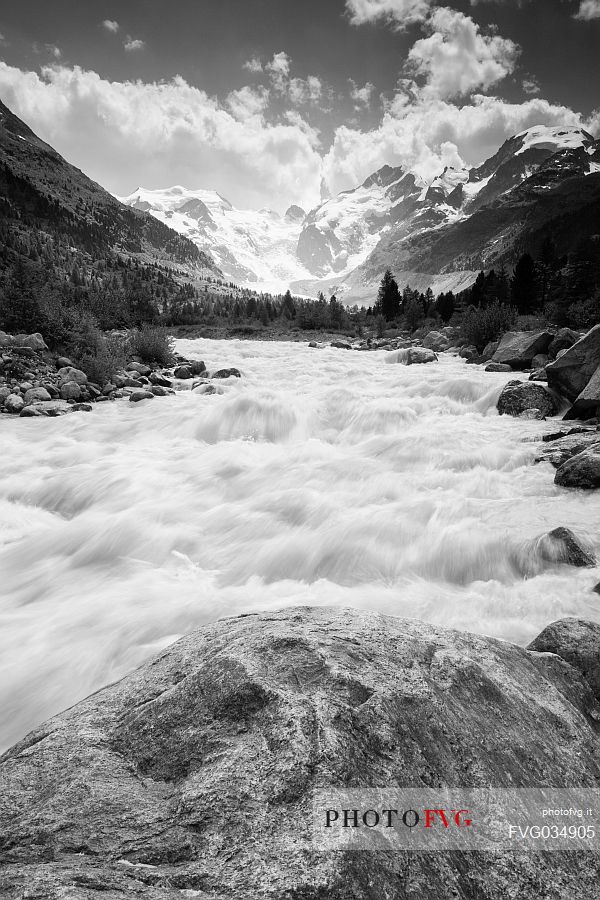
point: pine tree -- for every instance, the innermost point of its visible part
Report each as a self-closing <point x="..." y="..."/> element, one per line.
<point x="524" y="285"/>
<point x="388" y="298"/>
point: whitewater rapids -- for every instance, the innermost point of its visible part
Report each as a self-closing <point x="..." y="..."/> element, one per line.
<point x="320" y="477"/>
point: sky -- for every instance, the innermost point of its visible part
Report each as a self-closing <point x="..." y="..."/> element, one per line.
<point x="273" y="102"/>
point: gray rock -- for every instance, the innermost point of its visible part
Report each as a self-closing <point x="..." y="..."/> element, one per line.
<point x="581" y="471"/>
<point x="26" y="386"/>
<point x="561" y="546"/>
<point x="519" y="397"/>
<point x="69" y="373"/>
<point x="81" y="407"/>
<point x="70" y="390"/>
<point x="195" y="774"/>
<point x="109" y="389"/>
<point x="197" y="367"/>
<point x="489" y="350"/>
<point x="32" y="412"/>
<point x="33" y="341"/>
<point x="140" y="368"/>
<point x="436" y="341"/>
<point x="157" y="378"/>
<point x="159" y="391"/>
<point x="540" y="361"/>
<point x="6" y="340"/>
<point x="53" y="408"/>
<point x="564" y="448"/>
<point x="518" y="348"/>
<point x="564" y="339"/>
<point x="416" y="356"/>
<point x="183" y="372"/>
<point x="577" y="641"/>
<point x="136" y="396"/>
<point x="339" y="345"/>
<point x="14" y="403"/>
<point x="37" y="393"/>
<point x="497" y="367"/>
<point x="588" y="400"/>
<point x="5" y="392"/>
<point x="227" y="373"/>
<point x="63" y="362"/>
<point x="539" y="375"/>
<point x="313" y="345"/>
<point x="571" y="372"/>
<point x="468" y="353"/>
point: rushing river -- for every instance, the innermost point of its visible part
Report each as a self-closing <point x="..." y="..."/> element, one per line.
<point x="321" y="477"/>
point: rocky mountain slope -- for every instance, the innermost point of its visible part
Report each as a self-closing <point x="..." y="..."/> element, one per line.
<point x="196" y="774"/>
<point x="437" y="234"/>
<point x="41" y="192"/>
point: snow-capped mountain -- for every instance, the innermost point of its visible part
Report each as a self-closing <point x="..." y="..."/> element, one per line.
<point x="256" y="248"/>
<point x="438" y="233"/>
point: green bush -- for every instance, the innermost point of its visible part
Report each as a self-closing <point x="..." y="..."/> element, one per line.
<point x="482" y="325"/>
<point x="153" y="344"/>
<point x="106" y="358"/>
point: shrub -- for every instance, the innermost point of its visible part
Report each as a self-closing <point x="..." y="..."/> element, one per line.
<point x="153" y="344"/>
<point x="108" y="356"/>
<point x="482" y="325"/>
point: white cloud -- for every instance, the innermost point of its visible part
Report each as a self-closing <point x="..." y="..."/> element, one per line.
<point x="156" y="134"/>
<point x="248" y="102"/>
<point x="133" y="44"/>
<point x="397" y="12"/>
<point x="54" y="51"/>
<point x="309" y="90"/>
<point x="531" y="85"/>
<point x="253" y="65"/>
<point x="279" y="70"/>
<point x="588" y="10"/>
<point x="361" y="95"/>
<point x="427" y="134"/>
<point x="456" y="58"/>
<point x="111" y="25"/>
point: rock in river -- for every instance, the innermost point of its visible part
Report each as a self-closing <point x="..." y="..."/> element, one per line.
<point x="571" y="372"/>
<point x="194" y="775"/>
<point x="561" y="546"/>
<point x="581" y="471"/>
<point x="522" y="397"/>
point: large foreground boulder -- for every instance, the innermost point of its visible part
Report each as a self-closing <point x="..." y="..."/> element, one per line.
<point x="526" y="398"/>
<point x="517" y="349"/>
<point x="571" y="372"/>
<point x="194" y="775"/>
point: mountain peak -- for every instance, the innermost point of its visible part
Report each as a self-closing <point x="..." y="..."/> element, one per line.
<point x="552" y="137"/>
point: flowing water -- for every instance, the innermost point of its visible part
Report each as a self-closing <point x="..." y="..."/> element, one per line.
<point x="321" y="477"/>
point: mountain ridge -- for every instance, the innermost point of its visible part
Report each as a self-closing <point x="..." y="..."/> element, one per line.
<point x="395" y="218"/>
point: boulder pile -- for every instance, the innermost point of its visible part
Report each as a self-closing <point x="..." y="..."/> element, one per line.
<point x="35" y="382"/>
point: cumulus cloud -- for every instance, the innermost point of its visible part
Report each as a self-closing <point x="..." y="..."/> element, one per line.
<point x="400" y="13"/>
<point x="429" y="134"/>
<point x="588" y="10"/>
<point x="124" y="134"/>
<point x="279" y="70"/>
<point x="457" y="58"/>
<point x="248" y="102"/>
<point x="133" y="44"/>
<point x="361" y="95"/>
<point x="111" y="25"/>
<point x="253" y="65"/>
<point x="531" y="85"/>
